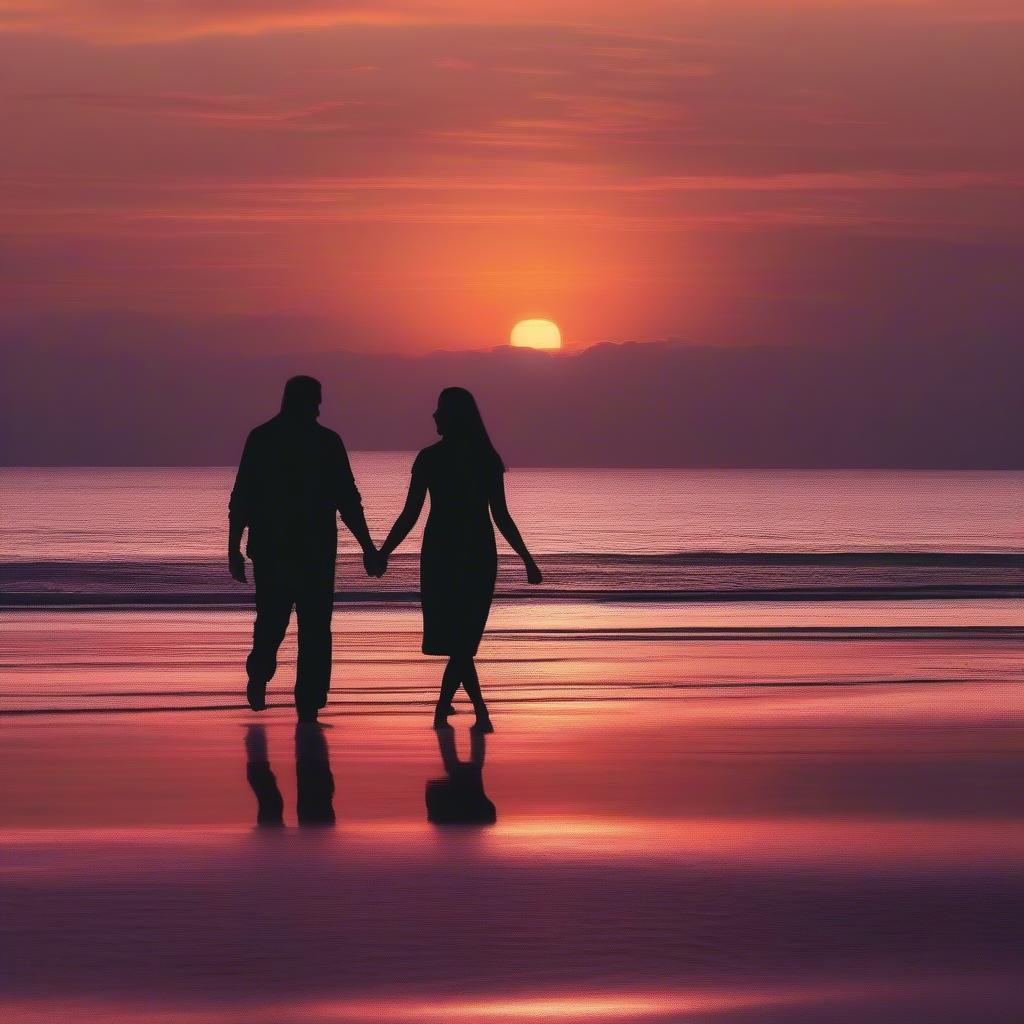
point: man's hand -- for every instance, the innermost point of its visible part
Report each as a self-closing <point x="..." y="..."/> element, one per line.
<point x="375" y="563"/>
<point x="533" y="573"/>
<point x="236" y="565"/>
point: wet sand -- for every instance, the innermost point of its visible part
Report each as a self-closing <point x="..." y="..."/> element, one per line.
<point x="785" y="855"/>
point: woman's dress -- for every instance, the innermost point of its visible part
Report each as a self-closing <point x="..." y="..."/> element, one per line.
<point x="458" y="560"/>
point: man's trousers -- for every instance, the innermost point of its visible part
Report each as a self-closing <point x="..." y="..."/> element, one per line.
<point x="308" y="586"/>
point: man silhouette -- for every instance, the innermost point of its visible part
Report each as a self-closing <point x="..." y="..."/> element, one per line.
<point x="293" y="479"/>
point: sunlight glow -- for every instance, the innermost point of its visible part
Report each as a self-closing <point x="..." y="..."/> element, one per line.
<point x="536" y="334"/>
<point x="596" y="1007"/>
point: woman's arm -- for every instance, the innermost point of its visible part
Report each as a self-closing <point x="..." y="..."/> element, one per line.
<point x="506" y="524"/>
<point x="407" y="517"/>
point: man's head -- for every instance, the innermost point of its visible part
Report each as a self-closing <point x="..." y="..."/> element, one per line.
<point x="301" y="399"/>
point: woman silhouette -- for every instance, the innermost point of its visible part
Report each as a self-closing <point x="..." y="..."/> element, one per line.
<point x="459" y="562"/>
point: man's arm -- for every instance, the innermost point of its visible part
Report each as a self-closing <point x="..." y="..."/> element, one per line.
<point x="240" y="509"/>
<point x="350" y="507"/>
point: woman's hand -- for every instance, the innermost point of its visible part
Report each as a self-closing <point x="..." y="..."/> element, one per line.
<point x="533" y="573"/>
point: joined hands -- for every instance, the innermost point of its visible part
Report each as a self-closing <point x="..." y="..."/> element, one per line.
<point x="375" y="562"/>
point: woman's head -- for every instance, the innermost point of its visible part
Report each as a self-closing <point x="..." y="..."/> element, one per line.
<point x="458" y="419"/>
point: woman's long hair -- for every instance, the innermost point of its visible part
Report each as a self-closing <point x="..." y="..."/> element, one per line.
<point x="464" y="424"/>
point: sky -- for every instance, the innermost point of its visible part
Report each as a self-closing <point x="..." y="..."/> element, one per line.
<point x="406" y="177"/>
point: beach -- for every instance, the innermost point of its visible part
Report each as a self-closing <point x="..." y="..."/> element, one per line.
<point x="778" y="783"/>
<point x="701" y="857"/>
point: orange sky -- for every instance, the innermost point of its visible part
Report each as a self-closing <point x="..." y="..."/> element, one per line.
<point x="427" y="173"/>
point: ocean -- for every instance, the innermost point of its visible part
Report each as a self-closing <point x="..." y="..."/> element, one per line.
<point x="116" y="594"/>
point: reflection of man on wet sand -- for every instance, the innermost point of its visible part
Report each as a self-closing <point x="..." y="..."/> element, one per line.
<point x="315" y="782"/>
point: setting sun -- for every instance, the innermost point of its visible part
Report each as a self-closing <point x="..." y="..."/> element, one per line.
<point x="536" y="334"/>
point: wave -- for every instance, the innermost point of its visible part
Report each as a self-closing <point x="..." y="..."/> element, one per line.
<point x="632" y="577"/>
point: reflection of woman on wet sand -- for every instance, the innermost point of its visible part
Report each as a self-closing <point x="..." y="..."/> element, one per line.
<point x="459" y="798"/>
<point x="313" y="777"/>
<point x="459" y="561"/>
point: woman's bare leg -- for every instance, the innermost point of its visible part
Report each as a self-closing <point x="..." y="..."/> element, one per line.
<point x="471" y="684"/>
<point x="449" y="684"/>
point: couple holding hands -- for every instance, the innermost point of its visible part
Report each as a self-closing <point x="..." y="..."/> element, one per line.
<point x="294" y="479"/>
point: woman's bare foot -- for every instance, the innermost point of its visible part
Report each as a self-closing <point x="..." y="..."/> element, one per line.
<point x="483" y="723"/>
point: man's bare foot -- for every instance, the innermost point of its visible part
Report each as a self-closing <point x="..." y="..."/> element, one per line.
<point x="256" y="695"/>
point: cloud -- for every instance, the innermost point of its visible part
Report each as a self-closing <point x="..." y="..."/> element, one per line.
<point x="128" y="22"/>
<point x="95" y="394"/>
<point x="870" y="200"/>
<point x="251" y="112"/>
